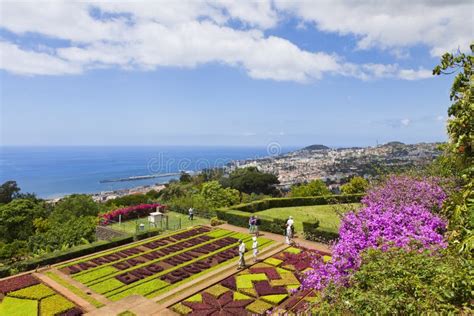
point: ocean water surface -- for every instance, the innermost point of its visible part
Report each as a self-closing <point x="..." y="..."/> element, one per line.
<point x="55" y="171"/>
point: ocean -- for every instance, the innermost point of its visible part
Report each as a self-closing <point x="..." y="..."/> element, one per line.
<point x="56" y="171"/>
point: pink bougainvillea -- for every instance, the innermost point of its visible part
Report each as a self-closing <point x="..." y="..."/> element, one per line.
<point x="400" y="212"/>
<point x="130" y="212"/>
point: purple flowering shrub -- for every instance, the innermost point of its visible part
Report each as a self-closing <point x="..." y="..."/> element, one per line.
<point x="129" y="212"/>
<point x="396" y="213"/>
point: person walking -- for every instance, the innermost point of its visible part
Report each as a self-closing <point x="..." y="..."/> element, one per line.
<point x="191" y="214"/>
<point x="289" y="230"/>
<point x="255" y="248"/>
<point x="257" y="225"/>
<point x="242" y="250"/>
<point x="251" y="224"/>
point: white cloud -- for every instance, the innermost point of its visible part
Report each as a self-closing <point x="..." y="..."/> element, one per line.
<point x="440" y="25"/>
<point x="18" y="61"/>
<point x="144" y="36"/>
<point x="405" y="122"/>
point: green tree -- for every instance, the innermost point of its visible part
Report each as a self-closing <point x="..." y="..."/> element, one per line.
<point x="62" y="235"/>
<point x="14" y="251"/>
<point x="314" y="188"/>
<point x="401" y="282"/>
<point x="185" y="177"/>
<point x="355" y="185"/>
<point x="17" y="217"/>
<point x="461" y="111"/>
<point x="251" y="180"/>
<point x="8" y="190"/>
<point x="459" y="209"/>
<point x="216" y="196"/>
<point x="74" y="206"/>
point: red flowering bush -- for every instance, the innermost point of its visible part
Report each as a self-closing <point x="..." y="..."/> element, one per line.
<point x="130" y="212"/>
<point x="17" y="283"/>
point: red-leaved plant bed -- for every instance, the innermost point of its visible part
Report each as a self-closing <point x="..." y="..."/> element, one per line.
<point x="130" y="212"/>
<point x="17" y="283"/>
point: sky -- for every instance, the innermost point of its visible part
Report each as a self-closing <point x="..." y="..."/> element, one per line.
<point x="236" y="73"/>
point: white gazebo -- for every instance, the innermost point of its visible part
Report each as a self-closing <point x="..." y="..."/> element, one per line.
<point x="155" y="217"/>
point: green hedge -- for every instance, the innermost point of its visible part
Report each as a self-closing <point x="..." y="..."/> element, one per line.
<point x="311" y="227"/>
<point x="265" y="204"/>
<point x="68" y="254"/>
<point x="239" y="218"/>
<point x="312" y="231"/>
<point x="148" y="233"/>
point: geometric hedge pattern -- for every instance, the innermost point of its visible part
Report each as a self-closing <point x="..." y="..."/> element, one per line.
<point x="271" y="285"/>
<point x="158" y="264"/>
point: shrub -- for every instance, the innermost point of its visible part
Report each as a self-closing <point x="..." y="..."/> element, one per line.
<point x="54" y="305"/>
<point x="35" y="292"/>
<point x="216" y="221"/>
<point x="258" y="307"/>
<point x="130" y="212"/>
<point x="17" y="283"/>
<point x="397" y="213"/>
<point x="264" y="204"/>
<point x="401" y="282"/>
<point x="12" y="306"/>
<point x="148" y="234"/>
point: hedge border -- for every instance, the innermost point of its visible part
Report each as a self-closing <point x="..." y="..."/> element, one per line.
<point x="239" y="214"/>
<point x="268" y="203"/>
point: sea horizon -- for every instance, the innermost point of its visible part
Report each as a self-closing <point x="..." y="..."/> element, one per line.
<point x="56" y="171"/>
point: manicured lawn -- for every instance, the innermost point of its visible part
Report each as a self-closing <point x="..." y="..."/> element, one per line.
<point x="174" y="219"/>
<point x="324" y="213"/>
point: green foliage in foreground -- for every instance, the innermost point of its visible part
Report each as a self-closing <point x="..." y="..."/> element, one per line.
<point x="401" y="282"/>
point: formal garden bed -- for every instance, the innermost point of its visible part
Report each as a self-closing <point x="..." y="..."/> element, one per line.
<point x="270" y="285"/>
<point x="157" y="265"/>
<point x="25" y="295"/>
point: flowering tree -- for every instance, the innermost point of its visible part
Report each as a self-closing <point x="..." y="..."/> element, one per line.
<point x="397" y="213"/>
<point x="129" y="212"/>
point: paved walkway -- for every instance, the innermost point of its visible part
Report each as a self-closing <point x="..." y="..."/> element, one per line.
<point x="85" y="305"/>
<point x="280" y="238"/>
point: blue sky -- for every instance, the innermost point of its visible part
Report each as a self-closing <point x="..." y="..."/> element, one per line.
<point x="222" y="73"/>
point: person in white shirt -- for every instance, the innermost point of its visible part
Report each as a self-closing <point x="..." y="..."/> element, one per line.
<point x="289" y="230"/>
<point x="255" y="248"/>
<point x="242" y="250"/>
<point x="191" y="213"/>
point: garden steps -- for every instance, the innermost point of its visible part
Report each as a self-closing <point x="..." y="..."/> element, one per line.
<point x="181" y="292"/>
<point x="79" y="301"/>
<point x="137" y="304"/>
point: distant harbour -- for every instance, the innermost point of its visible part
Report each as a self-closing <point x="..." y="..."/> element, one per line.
<point x="52" y="172"/>
<point x="135" y="178"/>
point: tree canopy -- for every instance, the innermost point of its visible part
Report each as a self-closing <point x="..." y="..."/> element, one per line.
<point x="314" y="188"/>
<point x="355" y="185"/>
<point x="251" y="180"/>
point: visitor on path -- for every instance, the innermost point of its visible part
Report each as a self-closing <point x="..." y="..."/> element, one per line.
<point x="257" y="225"/>
<point x="251" y="224"/>
<point x="289" y="230"/>
<point x="191" y="214"/>
<point x="255" y="248"/>
<point x="241" y="254"/>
